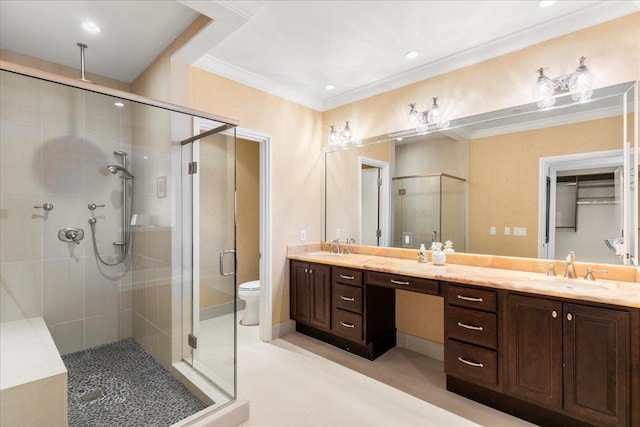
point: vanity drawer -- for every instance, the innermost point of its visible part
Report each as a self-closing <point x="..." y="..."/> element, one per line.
<point x="479" y="299"/>
<point x="415" y="284"/>
<point x="347" y="325"/>
<point x="476" y="327"/>
<point x="470" y="362"/>
<point x="347" y="297"/>
<point x="347" y="276"/>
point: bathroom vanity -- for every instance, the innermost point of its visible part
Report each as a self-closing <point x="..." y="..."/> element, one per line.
<point x="549" y="350"/>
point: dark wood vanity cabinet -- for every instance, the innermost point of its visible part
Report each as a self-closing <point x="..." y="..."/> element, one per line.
<point x="570" y="357"/>
<point x="310" y="294"/>
<point x="472" y="350"/>
<point x="333" y="304"/>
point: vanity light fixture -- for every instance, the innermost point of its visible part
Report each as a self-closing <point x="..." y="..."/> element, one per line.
<point x="577" y="83"/>
<point x="422" y="120"/>
<point x="340" y="138"/>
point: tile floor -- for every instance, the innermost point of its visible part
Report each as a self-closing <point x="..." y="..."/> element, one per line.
<point x="299" y="381"/>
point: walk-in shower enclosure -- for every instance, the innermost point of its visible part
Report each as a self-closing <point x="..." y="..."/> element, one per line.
<point x="428" y="208"/>
<point x="59" y="140"/>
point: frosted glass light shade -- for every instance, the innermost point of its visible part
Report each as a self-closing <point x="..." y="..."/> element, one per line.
<point x="543" y="90"/>
<point x="434" y="115"/>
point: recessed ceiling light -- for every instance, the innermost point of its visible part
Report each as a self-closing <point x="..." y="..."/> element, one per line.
<point x="329" y="86"/>
<point x="118" y="104"/>
<point x="90" y="27"/>
<point x="412" y="54"/>
<point x="546" y="3"/>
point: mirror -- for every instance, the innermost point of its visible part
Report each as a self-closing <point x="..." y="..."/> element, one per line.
<point x="519" y="182"/>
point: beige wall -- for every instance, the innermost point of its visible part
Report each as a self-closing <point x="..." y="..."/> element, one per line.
<point x="503" y="185"/>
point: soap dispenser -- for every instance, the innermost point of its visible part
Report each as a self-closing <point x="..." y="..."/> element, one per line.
<point x="438" y="257"/>
<point x="422" y="254"/>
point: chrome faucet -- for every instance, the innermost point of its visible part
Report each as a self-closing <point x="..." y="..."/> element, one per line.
<point x="347" y="249"/>
<point x="337" y="247"/>
<point x="571" y="272"/>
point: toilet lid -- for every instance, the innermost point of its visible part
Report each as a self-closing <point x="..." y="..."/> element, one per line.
<point x="251" y="286"/>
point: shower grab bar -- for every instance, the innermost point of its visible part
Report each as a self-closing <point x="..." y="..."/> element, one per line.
<point x="221" y="262"/>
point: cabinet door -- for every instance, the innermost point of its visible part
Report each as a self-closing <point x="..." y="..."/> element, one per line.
<point x="299" y="288"/>
<point x="320" y="296"/>
<point x="535" y="349"/>
<point x="596" y="355"/>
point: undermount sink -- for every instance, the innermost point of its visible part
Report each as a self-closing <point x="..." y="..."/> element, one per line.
<point x="324" y="254"/>
<point x="576" y="285"/>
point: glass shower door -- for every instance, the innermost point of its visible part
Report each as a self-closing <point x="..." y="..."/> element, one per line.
<point x="214" y="261"/>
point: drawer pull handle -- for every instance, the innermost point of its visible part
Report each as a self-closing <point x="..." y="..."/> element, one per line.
<point x="347" y="325"/>
<point x="475" y="328"/>
<point x="342" y="276"/>
<point x="398" y="282"/>
<point x="468" y="362"/>
<point x="343" y="298"/>
<point x="462" y="297"/>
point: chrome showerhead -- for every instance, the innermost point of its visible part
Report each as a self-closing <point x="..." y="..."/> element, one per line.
<point x="114" y="169"/>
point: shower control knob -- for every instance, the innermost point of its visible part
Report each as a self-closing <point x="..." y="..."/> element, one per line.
<point x="93" y="206"/>
<point x="46" y="207"/>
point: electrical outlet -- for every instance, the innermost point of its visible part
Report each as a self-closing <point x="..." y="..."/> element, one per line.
<point x="519" y="231"/>
<point x="406" y="239"/>
<point x="507" y="231"/>
<point x="337" y="233"/>
<point x="303" y="235"/>
<point x="492" y="231"/>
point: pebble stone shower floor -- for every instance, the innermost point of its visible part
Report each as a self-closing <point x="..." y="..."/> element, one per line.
<point x="119" y="384"/>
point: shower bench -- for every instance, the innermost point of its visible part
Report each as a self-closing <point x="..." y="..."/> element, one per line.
<point x="33" y="378"/>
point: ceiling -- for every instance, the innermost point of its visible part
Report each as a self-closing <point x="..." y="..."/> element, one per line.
<point x="293" y="48"/>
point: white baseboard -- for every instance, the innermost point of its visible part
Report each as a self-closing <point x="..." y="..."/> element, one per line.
<point x="282" y="329"/>
<point x="432" y="349"/>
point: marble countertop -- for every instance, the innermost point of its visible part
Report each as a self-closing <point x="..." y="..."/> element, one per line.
<point x="603" y="291"/>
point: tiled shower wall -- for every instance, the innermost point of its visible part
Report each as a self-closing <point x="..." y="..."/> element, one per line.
<point x="156" y="303"/>
<point x="56" y="142"/>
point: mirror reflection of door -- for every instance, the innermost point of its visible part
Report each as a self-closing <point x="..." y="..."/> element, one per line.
<point x="583" y="210"/>
<point x="371" y="183"/>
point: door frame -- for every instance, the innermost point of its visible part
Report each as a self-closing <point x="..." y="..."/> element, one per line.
<point x="549" y="167"/>
<point x="264" y="141"/>
<point x="385" y="220"/>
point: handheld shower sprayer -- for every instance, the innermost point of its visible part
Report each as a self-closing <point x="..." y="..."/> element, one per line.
<point x="114" y="169"/>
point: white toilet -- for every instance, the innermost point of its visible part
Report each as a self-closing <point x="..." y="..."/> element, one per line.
<point x="249" y="292"/>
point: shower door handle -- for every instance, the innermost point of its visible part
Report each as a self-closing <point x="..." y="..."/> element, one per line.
<point x="235" y="262"/>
